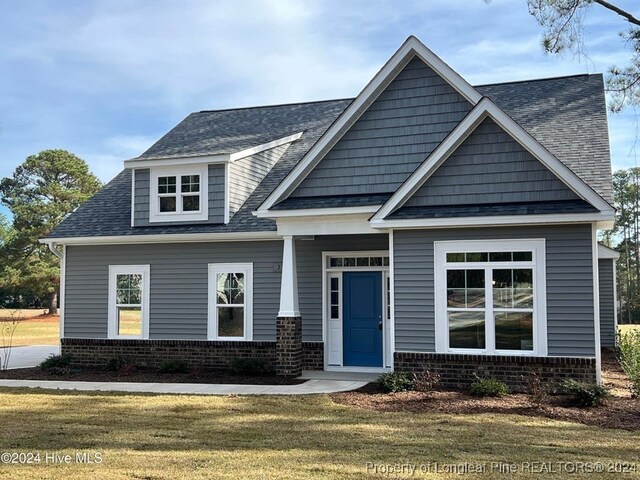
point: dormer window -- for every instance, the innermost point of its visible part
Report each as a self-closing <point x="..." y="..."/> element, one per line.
<point x="178" y="193"/>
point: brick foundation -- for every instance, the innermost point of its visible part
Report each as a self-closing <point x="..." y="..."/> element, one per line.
<point x="313" y="355"/>
<point x="289" y="346"/>
<point x="458" y="371"/>
<point x="91" y="352"/>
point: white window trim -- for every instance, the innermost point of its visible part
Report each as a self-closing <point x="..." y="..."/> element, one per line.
<point x="538" y="263"/>
<point x="177" y="171"/>
<point x="115" y="270"/>
<point x="212" y="320"/>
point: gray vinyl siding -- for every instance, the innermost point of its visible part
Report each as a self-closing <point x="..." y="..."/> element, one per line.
<point x="392" y="137"/>
<point x="178" y="291"/>
<point x="247" y="173"/>
<point x="309" y="261"/>
<point x="141" y="198"/>
<point x="569" y="278"/>
<point x="607" y="302"/>
<point x="490" y="167"/>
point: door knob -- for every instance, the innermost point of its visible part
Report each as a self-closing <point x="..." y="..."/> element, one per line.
<point x="380" y="325"/>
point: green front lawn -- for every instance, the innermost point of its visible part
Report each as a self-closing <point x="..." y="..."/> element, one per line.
<point x="171" y="437"/>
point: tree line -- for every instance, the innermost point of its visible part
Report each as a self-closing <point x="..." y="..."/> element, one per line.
<point x="41" y="192"/>
<point x="625" y="238"/>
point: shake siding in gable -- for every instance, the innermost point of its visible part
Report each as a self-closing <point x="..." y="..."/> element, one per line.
<point x="247" y="173"/>
<point x="179" y="279"/>
<point x="490" y="167"/>
<point x="385" y="145"/>
<point x="141" y="197"/>
<point x="570" y="314"/>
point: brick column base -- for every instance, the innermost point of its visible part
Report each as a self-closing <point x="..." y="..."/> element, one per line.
<point x="289" y="346"/>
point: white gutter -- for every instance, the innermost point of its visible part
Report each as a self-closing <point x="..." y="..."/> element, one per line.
<point x="162" y="238"/>
<point x="53" y="247"/>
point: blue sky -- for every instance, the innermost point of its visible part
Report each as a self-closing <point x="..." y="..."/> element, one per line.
<point x="105" y="79"/>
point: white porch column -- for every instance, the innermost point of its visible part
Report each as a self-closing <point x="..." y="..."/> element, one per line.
<point x="289" y="284"/>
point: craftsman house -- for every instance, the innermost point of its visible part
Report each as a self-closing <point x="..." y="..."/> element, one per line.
<point x="426" y="223"/>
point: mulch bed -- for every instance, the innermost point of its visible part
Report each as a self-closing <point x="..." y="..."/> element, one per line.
<point x="620" y="411"/>
<point x="148" y="376"/>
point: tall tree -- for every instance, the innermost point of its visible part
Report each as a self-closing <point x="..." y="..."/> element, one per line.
<point x="562" y="21"/>
<point x="41" y="192"/>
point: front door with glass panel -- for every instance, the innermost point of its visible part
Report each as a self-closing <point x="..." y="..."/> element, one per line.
<point x="362" y="319"/>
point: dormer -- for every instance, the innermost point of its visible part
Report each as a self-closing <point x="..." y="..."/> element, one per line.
<point x="183" y="189"/>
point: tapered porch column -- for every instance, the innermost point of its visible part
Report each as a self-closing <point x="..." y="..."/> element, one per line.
<point x="289" y="321"/>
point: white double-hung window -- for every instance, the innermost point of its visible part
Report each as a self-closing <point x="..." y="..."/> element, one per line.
<point x="128" y="301"/>
<point x="490" y="297"/>
<point x="178" y="193"/>
<point x="230" y="301"/>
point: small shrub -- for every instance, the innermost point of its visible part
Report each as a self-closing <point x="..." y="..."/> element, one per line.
<point x="55" y="361"/>
<point x="537" y="388"/>
<point x="585" y="394"/>
<point x="488" y="387"/>
<point x="127" y="369"/>
<point x="247" y="366"/>
<point x="396" y="381"/>
<point x="426" y="381"/>
<point x="59" y="371"/>
<point x="629" y="357"/>
<point x="121" y="365"/>
<point x="174" y="366"/>
<point x="115" y="364"/>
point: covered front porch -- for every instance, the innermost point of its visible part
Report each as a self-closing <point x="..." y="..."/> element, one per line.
<point x="336" y="294"/>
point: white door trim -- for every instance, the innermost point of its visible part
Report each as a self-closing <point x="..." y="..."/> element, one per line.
<point x="336" y="363"/>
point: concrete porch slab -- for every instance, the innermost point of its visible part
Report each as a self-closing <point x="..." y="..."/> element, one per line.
<point x="340" y="376"/>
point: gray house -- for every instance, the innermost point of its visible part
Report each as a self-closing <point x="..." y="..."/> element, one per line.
<point x="426" y="223"/>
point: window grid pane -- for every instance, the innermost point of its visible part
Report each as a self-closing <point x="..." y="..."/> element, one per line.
<point x="166" y="185"/>
<point x="337" y="262"/>
<point x="190" y="183"/>
<point x="334" y="299"/>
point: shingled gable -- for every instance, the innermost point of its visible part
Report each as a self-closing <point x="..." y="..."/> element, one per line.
<point x="410" y="50"/>
<point x="486" y="109"/>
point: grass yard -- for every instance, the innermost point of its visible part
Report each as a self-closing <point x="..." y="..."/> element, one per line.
<point x="35" y="327"/>
<point x="172" y="437"/>
<point x="628" y="328"/>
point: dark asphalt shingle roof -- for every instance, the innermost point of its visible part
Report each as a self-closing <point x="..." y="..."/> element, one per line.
<point x="534" y="208"/>
<point x="567" y="115"/>
<point x="335" y="201"/>
<point x="212" y="132"/>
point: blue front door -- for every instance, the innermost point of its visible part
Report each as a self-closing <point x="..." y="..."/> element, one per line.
<point x="362" y="319"/>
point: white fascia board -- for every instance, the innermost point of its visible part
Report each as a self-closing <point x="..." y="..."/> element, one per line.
<point x="218" y="158"/>
<point x="601" y="218"/>
<point x="486" y="108"/>
<point x="411" y="47"/>
<point x="332" y="225"/>
<point x="265" y="146"/>
<point x="316" y="212"/>
<point x="172" y="161"/>
<point x="605" y="252"/>
<point x="163" y="238"/>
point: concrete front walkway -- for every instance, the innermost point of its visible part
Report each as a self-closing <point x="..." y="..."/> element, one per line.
<point x="307" y="388"/>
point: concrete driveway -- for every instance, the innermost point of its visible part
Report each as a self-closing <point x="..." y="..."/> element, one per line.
<point x="31" y="356"/>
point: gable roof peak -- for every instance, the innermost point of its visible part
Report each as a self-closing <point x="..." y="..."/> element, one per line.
<point x="412" y="47"/>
